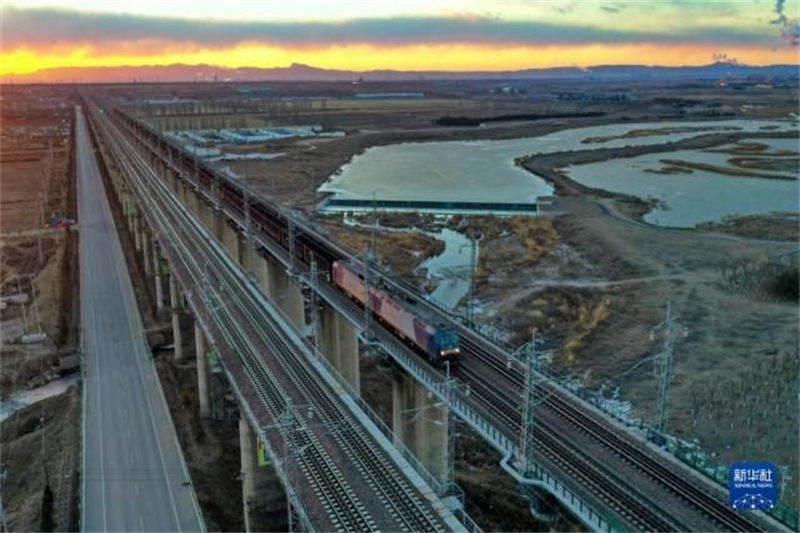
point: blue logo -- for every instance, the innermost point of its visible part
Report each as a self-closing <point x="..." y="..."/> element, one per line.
<point x="753" y="486"/>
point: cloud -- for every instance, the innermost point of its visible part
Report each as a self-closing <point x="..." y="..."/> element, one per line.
<point x="790" y="28"/>
<point x="43" y="27"/>
<point x="782" y="20"/>
<point x="616" y="7"/>
<point x="567" y="8"/>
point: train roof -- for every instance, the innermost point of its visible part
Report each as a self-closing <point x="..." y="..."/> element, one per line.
<point x="408" y="302"/>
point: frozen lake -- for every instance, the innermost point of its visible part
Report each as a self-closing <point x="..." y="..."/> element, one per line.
<point x="484" y="171"/>
<point x="700" y="196"/>
<point x="450" y="269"/>
<point x="26" y="398"/>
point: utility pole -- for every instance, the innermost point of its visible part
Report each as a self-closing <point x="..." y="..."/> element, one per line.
<point x="248" y="220"/>
<point x="664" y="363"/>
<point x="292" y="231"/>
<point x="370" y="256"/>
<point x="287" y="424"/>
<point x="473" y="264"/>
<point x="314" y="284"/>
<point x="469" y="314"/>
<point x="313" y="187"/>
<point x="528" y="415"/>
<point x="449" y="477"/>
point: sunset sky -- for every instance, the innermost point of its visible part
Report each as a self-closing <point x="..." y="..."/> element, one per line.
<point x="402" y="34"/>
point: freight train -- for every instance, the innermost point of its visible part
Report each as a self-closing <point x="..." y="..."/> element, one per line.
<point x="417" y="327"/>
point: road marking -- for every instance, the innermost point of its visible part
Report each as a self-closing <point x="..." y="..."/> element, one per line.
<point x="84" y="177"/>
<point x="134" y="320"/>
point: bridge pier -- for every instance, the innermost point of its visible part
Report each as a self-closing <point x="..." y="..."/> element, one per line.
<point x="288" y="295"/>
<point x="262" y="269"/>
<point x="174" y="298"/>
<point x="200" y="349"/>
<point x="157" y="275"/>
<point x="229" y="238"/>
<point x="420" y="423"/>
<point x="137" y="230"/>
<point x="262" y="494"/>
<point x="183" y="191"/>
<point x="205" y="213"/>
<point x="193" y="201"/>
<point x="248" y="254"/>
<point x="146" y="248"/>
<point x="339" y="344"/>
<point x="169" y="178"/>
<point x="127" y="208"/>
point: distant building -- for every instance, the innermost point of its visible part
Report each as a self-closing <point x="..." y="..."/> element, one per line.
<point x="389" y="96"/>
<point x="593" y="97"/>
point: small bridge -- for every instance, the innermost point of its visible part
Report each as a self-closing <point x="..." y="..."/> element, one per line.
<point x="346" y="204"/>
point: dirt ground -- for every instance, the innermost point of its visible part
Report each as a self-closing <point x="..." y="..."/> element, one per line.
<point x="36" y="183"/>
<point x="22" y="441"/>
<point x="731" y="335"/>
<point x="210" y="447"/>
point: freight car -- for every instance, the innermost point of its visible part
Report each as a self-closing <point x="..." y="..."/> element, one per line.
<point x="417" y="327"/>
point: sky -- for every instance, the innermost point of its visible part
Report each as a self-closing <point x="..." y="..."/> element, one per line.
<point x="401" y="34"/>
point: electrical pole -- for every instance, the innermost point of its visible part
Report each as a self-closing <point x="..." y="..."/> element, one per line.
<point x="314" y="284"/>
<point x="248" y="220"/>
<point x="664" y="364"/>
<point x="292" y="268"/>
<point x="449" y="477"/>
<point x="313" y="194"/>
<point x="469" y="314"/>
<point x="370" y="256"/>
<point x="528" y="415"/>
<point x="473" y="260"/>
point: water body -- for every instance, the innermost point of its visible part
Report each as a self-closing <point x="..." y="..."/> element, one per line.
<point x="688" y="199"/>
<point x="480" y="171"/>
<point x="23" y="399"/>
<point x="450" y="269"/>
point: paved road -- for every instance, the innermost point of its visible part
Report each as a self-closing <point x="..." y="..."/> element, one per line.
<point x="133" y="470"/>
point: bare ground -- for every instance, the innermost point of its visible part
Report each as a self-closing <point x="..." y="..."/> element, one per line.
<point x="22" y="454"/>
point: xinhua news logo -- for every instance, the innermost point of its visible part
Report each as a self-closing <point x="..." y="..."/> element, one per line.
<point x="753" y="486"/>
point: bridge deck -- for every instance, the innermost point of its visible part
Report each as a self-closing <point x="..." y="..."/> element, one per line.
<point x="133" y="472"/>
<point x="345" y="476"/>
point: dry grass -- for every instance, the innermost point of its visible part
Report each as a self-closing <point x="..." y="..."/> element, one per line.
<point x="516" y="242"/>
<point x="775" y="226"/>
<point x="567" y="317"/>
<point x="403" y="252"/>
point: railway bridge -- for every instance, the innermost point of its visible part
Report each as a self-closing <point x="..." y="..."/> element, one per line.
<point x="256" y="277"/>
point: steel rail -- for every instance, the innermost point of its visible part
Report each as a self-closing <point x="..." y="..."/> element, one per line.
<point x="375" y="464"/>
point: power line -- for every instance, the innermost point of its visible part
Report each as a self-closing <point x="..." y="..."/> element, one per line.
<point x="664" y="363"/>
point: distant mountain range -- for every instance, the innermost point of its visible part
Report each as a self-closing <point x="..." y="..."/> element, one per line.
<point x="299" y="72"/>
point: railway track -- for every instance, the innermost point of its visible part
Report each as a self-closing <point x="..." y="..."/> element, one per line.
<point x="692" y="506"/>
<point x="236" y="307"/>
<point x="325" y="479"/>
<point x="704" y="503"/>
